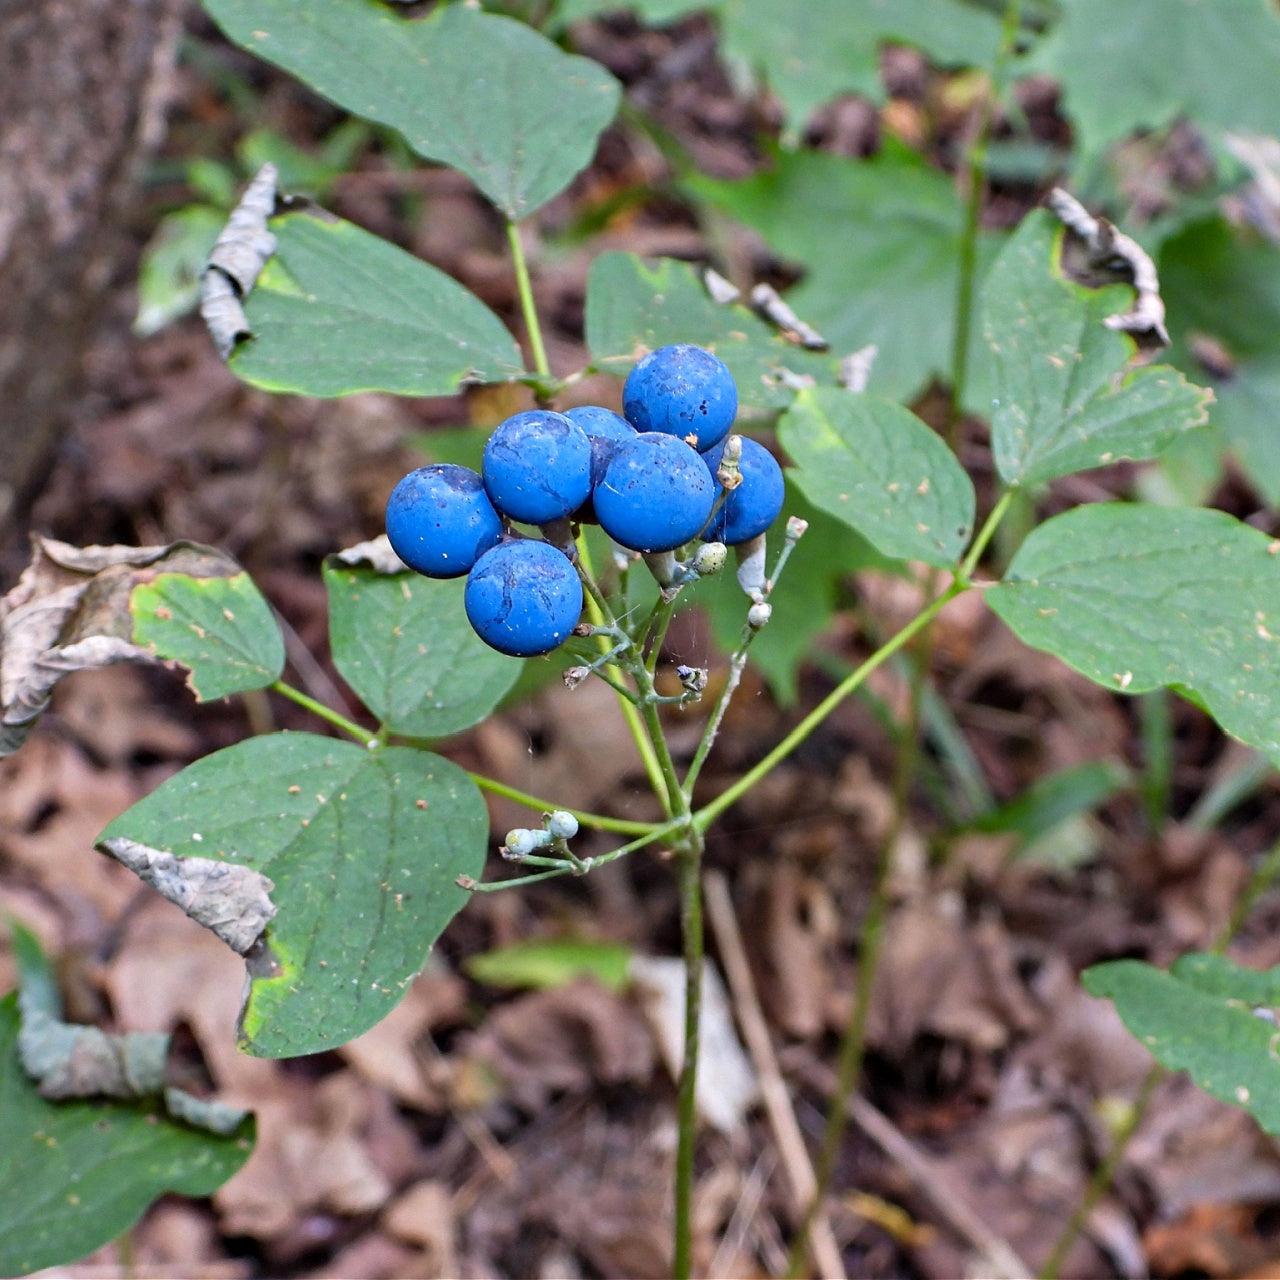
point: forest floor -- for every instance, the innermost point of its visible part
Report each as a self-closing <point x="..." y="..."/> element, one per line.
<point x="482" y="1131"/>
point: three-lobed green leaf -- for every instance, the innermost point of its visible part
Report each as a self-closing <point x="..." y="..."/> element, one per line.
<point x="339" y="310"/>
<point x="364" y="847"/>
<point x="477" y="91"/>
<point x="877" y="468"/>
<point x="404" y="644"/>
<point x="1200" y="1018"/>
<point x="1062" y="398"/>
<point x="634" y="306"/>
<point x="1136" y="597"/>
<point x="74" y="1175"/>
<point x="221" y="629"/>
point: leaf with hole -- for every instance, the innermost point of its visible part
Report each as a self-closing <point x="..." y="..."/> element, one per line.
<point x="482" y="93"/>
<point x="364" y="848"/>
<point x="1136" y="597"/>
<point x="877" y="468"/>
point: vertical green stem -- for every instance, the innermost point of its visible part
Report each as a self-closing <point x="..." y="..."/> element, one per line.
<point x="527" y="307"/>
<point x="689" y="877"/>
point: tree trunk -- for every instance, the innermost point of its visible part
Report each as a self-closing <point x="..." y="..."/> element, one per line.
<point x="81" y="105"/>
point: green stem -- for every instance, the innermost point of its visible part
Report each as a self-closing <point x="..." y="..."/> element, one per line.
<point x="976" y="182"/>
<point x="601" y="616"/>
<point x="689" y="878"/>
<point x="527" y="305"/>
<point x="703" y="818"/>
<point x="362" y="736"/>
<point x="985" y="534"/>
<point x="622" y="826"/>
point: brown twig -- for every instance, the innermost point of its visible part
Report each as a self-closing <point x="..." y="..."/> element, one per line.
<point x="777" y="1102"/>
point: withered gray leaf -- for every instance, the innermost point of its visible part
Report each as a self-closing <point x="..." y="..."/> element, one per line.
<point x="70" y="1061"/>
<point x="70" y="610"/>
<point x="238" y="256"/>
<point x="230" y="900"/>
<point x="376" y="553"/>
<point x="217" y="1117"/>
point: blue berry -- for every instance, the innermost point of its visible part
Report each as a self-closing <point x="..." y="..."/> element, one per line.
<point x="440" y="520"/>
<point x="655" y="494"/>
<point x="683" y="391"/>
<point x="523" y="597"/>
<point x="605" y="429"/>
<point x="754" y="505"/>
<point x="537" y="466"/>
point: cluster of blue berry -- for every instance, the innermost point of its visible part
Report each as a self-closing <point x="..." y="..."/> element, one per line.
<point x="652" y="480"/>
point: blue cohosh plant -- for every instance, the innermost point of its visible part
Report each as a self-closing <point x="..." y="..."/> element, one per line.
<point x="338" y="862"/>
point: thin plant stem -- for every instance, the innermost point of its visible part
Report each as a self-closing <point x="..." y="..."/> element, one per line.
<point x="600" y="615"/>
<point x="705" y="816"/>
<point x="621" y="826"/>
<point x="985" y="534"/>
<point x="362" y="736"/>
<point x="689" y="879"/>
<point x="527" y="306"/>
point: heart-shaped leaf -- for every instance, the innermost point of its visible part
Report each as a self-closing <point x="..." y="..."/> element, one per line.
<point x="635" y="306"/>
<point x="1063" y="400"/>
<point x="404" y="644"/>
<point x="74" y="1175"/>
<point x="482" y="93"/>
<point x="1137" y="597"/>
<point x="875" y="466"/>
<point x="339" y="310"/>
<point x="364" y="848"/>
<point x="220" y="629"/>
<point x="1207" y="1017"/>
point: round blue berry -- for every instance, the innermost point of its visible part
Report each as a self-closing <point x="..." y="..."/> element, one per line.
<point x="655" y="494"/>
<point x="523" y="597"/>
<point x="537" y="466"/>
<point x="605" y="429"/>
<point x="754" y="505"/>
<point x="440" y="520"/>
<point x="683" y="391"/>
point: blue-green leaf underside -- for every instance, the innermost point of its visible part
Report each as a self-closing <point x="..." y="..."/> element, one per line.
<point x="877" y="468"/>
<point x="482" y="93"/>
<point x="404" y="644"/>
<point x="339" y="310"/>
<point x="1199" y="1018"/>
<point x="364" y="848"/>
<point x="1064" y="399"/>
<point x="1136" y="597"/>
<point x="74" y="1175"/>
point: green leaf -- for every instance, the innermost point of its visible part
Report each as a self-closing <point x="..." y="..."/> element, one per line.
<point x="1061" y="403"/>
<point x="545" y="963"/>
<point x="1048" y="801"/>
<point x="485" y="94"/>
<point x="1199" y="1018"/>
<point x="220" y="629"/>
<point x="634" y="306"/>
<point x="1223" y="283"/>
<point x="404" y="644"/>
<point x="880" y="242"/>
<point x="74" y="1175"/>
<point x="1136" y="597"/>
<point x="339" y="310"/>
<point x="364" y="848"/>
<point x="169" y="273"/>
<point x="875" y="466"/>
<point x="1142" y="66"/>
